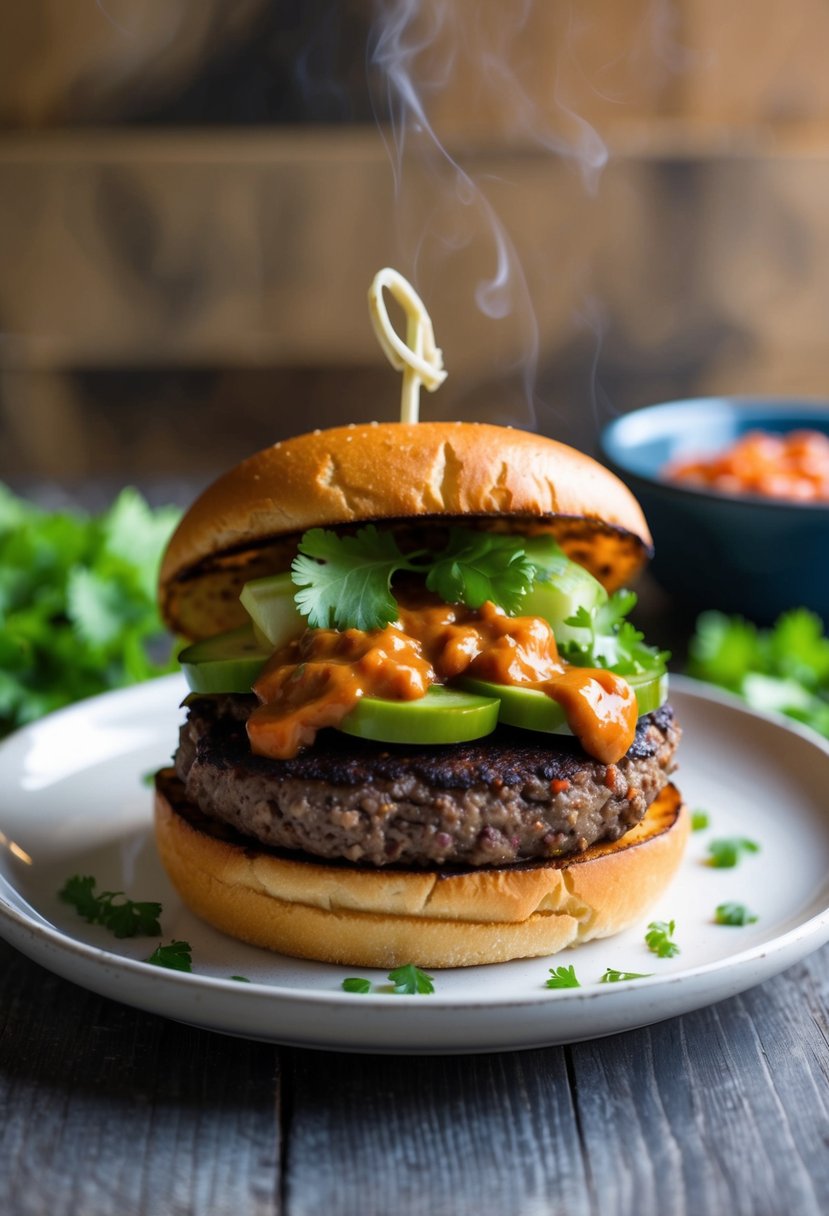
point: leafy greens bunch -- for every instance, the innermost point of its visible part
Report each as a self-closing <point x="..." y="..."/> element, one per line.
<point x="784" y="669"/>
<point x="77" y="603"/>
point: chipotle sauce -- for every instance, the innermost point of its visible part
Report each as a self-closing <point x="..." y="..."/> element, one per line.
<point x="317" y="679"/>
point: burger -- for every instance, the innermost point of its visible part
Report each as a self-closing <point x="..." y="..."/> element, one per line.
<point x="421" y="727"/>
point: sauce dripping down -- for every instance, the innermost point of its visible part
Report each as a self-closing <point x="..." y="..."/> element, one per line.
<point x="317" y="679"/>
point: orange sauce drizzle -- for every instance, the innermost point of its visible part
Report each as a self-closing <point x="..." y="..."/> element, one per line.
<point x="317" y="679"/>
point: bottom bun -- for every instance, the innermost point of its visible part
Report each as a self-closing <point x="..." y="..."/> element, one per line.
<point x="337" y="913"/>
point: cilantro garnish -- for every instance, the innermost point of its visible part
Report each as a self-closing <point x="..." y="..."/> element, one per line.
<point x="78" y="611"/>
<point x="410" y="980"/>
<point x="562" y="977"/>
<point x="242" y="979"/>
<point x="724" y="854"/>
<point x="480" y="566"/>
<point x="784" y="669"/>
<point x="177" y="956"/>
<point x="356" y="983"/>
<point x="699" y="820"/>
<point x="125" y="918"/>
<point x="345" y="581"/>
<point x="658" y="938"/>
<point x="612" y="976"/>
<point x="733" y="914"/>
<point x="612" y="642"/>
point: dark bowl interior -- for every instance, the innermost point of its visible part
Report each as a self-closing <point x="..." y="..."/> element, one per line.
<point x="749" y="555"/>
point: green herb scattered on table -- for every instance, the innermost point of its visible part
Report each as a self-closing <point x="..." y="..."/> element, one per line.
<point x="124" y="918"/>
<point x="700" y="820"/>
<point x="725" y="853"/>
<point x="562" y="977"/>
<point x="612" y="976"/>
<point x="784" y="669"/>
<point x="659" y="938"/>
<point x="242" y="979"/>
<point x="177" y="956"/>
<point x="78" y="612"/>
<point x="733" y="914"/>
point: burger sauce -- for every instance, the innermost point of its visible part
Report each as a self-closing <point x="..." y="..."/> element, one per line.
<point x="317" y="679"/>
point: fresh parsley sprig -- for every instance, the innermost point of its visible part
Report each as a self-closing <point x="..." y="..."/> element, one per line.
<point x="659" y="937"/>
<point x="407" y="980"/>
<point x="563" y="977"/>
<point x="123" y="917"/>
<point x="177" y="956"/>
<point x="732" y="913"/>
<point x="612" y="976"/>
<point x="725" y="853"/>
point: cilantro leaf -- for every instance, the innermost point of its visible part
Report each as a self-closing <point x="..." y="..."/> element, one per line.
<point x="126" y="918"/>
<point x="479" y="566"/>
<point x="345" y="581"/>
<point x="726" y="852"/>
<point x="733" y="914"/>
<point x="177" y="956"/>
<point x="410" y="980"/>
<point x="356" y="983"/>
<point x="563" y="977"/>
<point x="699" y="820"/>
<point x="658" y="938"/>
<point x="611" y="976"/>
<point x="784" y="669"/>
<point x="78" y="613"/>
<point x="610" y="641"/>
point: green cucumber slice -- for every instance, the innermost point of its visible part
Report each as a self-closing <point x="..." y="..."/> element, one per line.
<point x="561" y="586"/>
<point x="269" y="602"/>
<point x="227" y="662"/>
<point x="532" y="709"/>
<point x="444" y="715"/>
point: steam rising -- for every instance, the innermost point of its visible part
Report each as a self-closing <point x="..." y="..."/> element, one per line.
<point x="415" y="49"/>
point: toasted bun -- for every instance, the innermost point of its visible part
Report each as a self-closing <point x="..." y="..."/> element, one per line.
<point x="247" y="523"/>
<point x="384" y="918"/>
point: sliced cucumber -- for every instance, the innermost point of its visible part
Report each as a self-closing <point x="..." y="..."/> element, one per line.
<point x="532" y="709"/>
<point x="269" y="602"/>
<point x="228" y="662"/>
<point x="444" y="715"/>
<point x="560" y="588"/>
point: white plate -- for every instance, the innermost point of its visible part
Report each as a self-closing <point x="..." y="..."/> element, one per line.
<point x="73" y="802"/>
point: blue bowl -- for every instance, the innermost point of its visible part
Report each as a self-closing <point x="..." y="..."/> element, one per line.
<point x="749" y="555"/>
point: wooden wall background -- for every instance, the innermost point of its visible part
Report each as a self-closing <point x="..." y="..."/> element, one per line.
<point x="195" y="196"/>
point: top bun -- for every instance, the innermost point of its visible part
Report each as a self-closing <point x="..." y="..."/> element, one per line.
<point x="247" y="524"/>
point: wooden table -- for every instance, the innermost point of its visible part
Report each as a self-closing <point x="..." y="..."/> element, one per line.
<point x="105" y="1110"/>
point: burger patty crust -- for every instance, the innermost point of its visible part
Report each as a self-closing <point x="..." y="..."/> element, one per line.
<point x="512" y="796"/>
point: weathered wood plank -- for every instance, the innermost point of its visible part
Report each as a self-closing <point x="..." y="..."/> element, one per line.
<point x="724" y="1110"/>
<point x="491" y="1134"/>
<point x="106" y="1111"/>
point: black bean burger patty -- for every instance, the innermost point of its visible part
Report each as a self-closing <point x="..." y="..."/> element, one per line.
<point x="512" y="796"/>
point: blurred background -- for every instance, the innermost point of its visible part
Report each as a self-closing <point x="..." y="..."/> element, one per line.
<point x="603" y="204"/>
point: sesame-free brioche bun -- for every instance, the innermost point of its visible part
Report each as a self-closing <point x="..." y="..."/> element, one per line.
<point x="247" y="523"/>
<point x="337" y="913"/>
